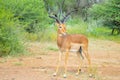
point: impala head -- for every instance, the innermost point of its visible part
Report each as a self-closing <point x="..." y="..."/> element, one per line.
<point x="60" y="23"/>
<point x="61" y="28"/>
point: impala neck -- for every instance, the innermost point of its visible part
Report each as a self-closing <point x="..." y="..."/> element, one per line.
<point x="60" y="35"/>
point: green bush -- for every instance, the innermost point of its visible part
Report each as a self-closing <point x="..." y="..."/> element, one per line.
<point x="10" y="34"/>
<point x="17" y="16"/>
<point x="30" y="13"/>
<point x="109" y="12"/>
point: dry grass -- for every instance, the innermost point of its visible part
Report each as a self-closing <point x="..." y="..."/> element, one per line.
<point x="41" y="64"/>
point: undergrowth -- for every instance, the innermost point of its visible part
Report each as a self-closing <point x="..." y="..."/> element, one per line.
<point x="76" y="26"/>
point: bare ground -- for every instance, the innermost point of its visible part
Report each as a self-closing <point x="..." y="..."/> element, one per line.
<point x="105" y="56"/>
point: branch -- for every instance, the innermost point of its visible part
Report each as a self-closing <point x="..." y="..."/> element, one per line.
<point x="69" y="13"/>
<point x="46" y="5"/>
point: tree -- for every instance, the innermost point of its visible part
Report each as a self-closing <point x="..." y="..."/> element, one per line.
<point x="16" y="15"/>
<point x="109" y="12"/>
<point x="30" y="13"/>
<point x="61" y="7"/>
<point x="11" y="42"/>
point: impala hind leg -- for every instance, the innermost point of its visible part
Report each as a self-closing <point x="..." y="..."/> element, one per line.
<point x="80" y="58"/>
<point x="58" y="63"/>
<point x="85" y="51"/>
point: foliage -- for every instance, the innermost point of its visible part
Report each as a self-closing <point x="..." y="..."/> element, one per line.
<point x="76" y="25"/>
<point x="17" y="16"/>
<point x="10" y="36"/>
<point x="109" y="12"/>
<point x="30" y="13"/>
<point x="59" y="7"/>
<point x="91" y="30"/>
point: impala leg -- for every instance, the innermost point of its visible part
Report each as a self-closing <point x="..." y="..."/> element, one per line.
<point x="66" y="59"/>
<point x="58" y="64"/>
<point x="80" y="62"/>
<point x="85" y="51"/>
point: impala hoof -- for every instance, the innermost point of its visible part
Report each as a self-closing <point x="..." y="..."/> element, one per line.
<point x="77" y="74"/>
<point x="90" y="75"/>
<point x="64" y="75"/>
<point x="54" y="74"/>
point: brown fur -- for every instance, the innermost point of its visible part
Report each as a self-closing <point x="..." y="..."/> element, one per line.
<point x="66" y="41"/>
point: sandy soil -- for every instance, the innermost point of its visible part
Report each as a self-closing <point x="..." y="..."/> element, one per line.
<point x="105" y="56"/>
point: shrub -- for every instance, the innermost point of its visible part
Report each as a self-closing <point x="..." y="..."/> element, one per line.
<point x="10" y="36"/>
<point x="30" y="13"/>
<point x="109" y="12"/>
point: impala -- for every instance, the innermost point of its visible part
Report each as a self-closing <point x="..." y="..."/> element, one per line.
<point x="66" y="42"/>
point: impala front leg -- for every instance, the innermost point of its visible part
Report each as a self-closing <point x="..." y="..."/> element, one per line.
<point x="58" y="63"/>
<point x="66" y="59"/>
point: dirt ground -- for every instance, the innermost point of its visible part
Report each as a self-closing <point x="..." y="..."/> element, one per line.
<point x="40" y="65"/>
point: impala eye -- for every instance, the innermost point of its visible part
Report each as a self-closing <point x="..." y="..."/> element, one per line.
<point x="60" y="27"/>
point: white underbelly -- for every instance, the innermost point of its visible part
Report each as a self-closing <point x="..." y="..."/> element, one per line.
<point x="75" y="47"/>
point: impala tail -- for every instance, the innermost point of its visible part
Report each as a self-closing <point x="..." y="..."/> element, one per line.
<point x="80" y="50"/>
